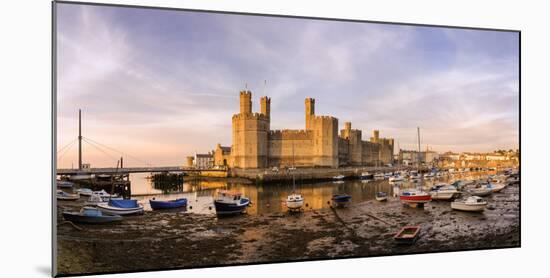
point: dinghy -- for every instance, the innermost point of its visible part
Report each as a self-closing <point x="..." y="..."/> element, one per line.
<point x="341" y="200"/>
<point x="121" y="207"/>
<point x="170" y="204"/>
<point x="90" y="215"/>
<point x="228" y="203"/>
<point x="407" y="235"/>
<point x="62" y="195"/>
<point x="473" y="203"/>
<point x="381" y="196"/>
<point x="480" y="191"/>
<point x="294" y="202"/>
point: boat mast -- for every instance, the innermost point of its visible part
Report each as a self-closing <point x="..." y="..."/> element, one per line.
<point x="293" y="179"/>
<point x="79" y="140"/>
<point x="418" y="159"/>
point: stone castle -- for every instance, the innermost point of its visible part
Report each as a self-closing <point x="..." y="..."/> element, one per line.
<point x="255" y="145"/>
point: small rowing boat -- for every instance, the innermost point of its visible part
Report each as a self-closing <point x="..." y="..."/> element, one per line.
<point x="407" y="235"/>
<point x="121" y="207"/>
<point x="341" y="200"/>
<point x="170" y="204"/>
<point x="90" y="215"/>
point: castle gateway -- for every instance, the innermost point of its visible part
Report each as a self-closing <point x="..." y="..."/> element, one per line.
<point x="255" y="145"/>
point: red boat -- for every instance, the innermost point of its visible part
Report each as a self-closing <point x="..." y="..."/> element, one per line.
<point x="415" y="197"/>
<point x="407" y="235"/>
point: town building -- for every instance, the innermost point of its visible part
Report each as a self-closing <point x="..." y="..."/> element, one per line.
<point x="255" y="145"/>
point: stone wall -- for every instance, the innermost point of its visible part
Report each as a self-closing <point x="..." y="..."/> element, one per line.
<point x="290" y="148"/>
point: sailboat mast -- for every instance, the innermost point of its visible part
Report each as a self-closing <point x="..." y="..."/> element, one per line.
<point x="418" y="158"/>
<point x="79" y="140"/>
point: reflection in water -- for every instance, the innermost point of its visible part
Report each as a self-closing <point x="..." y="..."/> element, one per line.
<point x="267" y="198"/>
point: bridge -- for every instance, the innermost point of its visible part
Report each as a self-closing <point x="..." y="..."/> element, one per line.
<point x="129" y="170"/>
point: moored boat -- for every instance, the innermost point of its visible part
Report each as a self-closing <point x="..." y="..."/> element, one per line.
<point x="472" y="203"/>
<point x="496" y="187"/>
<point x="64" y="184"/>
<point x="367" y="176"/>
<point x="121" y="207"/>
<point x="397" y="178"/>
<point x="90" y="215"/>
<point x="84" y="191"/>
<point x="339" y="177"/>
<point x="62" y="195"/>
<point x="379" y="176"/>
<point x="228" y="203"/>
<point x="381" y="196"/>
<point x="169" y="204"/>
<point x="444" y="192"/>
<point x="341" y="200"/>
<point x="414" y="196"/>
<point x="407" y="235"/>
<point x="294" y="201"/>
<point x="480" y="191"/>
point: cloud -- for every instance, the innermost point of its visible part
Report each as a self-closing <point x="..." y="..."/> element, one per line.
<point x="164" y="84"/>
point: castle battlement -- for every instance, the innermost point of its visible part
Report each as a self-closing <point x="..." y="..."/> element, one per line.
<point x="251" y="116"/>
<point x="290" y="134"/>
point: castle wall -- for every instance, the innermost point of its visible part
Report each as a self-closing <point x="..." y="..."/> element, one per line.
<point x="343" y="152"/>
<point x="249" y="149"/>
<point x="325" y="142"/>
<point x="290" y="148"/>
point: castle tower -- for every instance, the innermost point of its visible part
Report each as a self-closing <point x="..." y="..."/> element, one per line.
<point x="310" y="111"/>
<point x="345" y="133"/>
<point x="265" y="106"/>
<point x="249" y="136"/>
<point x="375" y="136"/>
<point x="246" y="102"/>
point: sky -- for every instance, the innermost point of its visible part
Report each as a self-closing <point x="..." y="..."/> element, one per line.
<point x="158" y="85"/>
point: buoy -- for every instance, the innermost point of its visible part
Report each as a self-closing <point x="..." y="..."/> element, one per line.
<point x="307" y="204"/>
<point x="210" y="207"/>
<point x="190" y="207"/>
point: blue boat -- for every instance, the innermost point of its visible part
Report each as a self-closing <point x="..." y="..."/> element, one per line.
<point x="229" y="203"/>
<point x="90" y="215"/>
<point x="171" y="204"/>
<point x="341" y="200"/>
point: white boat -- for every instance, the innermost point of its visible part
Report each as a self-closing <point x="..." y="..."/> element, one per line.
<point x="64" y="184"/>
<point x="367" y="175"/>
<point x="62" y="195"/>
<point x="473" y="203"/>
<point x="381" y="196"/>
<point x="95" y="200"/>
<point x="496" y="187"/>
<point x="84" y="191"/>
<point x="379" y="176"/>
<point x="121" y="207"/>
<point x="480" y="191"/>
<point x="388" y="175"/>
<point x="396" y="179"/>
<point x="294" y="201"/>
<point x="339" y="177"/>
<point x="444" y="192"/>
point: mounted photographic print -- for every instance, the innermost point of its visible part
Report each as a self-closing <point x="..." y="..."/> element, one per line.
<point x="192" y="139"/>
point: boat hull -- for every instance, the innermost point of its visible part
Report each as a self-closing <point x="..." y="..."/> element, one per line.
<point x="230" y="209"/>
<point x="415" y="199"/>
<point x="481" y="192"/>
<point x="468" y="207"/>
<point x="443" y="195"/>
<point x="105" y="208"/>
<point x="78" y="218"/>
<point x="381" y="199"/>
<point x="294" y="205"/>
<point x="178" y="203"/>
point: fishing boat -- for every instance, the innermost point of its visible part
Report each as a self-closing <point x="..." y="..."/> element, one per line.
<point x="62" y="195"/>
<point x="90" y="215"/>
<point x="381" y="196"/>
<point x="415" y="196"/>
<point x="121" y="207"/>
<point x="444" y="192"/>
<point x="407" y="235"/>
<point x="84" y="192"/>
<point x="339" y="177"/>
<point x="170" y="204"/>
<point x="228" y="203"/>
<point x="64" y="184"/>
<point x="472" y="203"/>
<point x="341" y="200"/>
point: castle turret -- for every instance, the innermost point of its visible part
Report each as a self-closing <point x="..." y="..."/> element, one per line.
<point x="265" y="106"/>
<point x="246" y="102"/>
<point x="375" y="136"/>
<point x="310" y="111"/>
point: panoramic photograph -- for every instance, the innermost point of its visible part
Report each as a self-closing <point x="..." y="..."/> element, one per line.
<point x="190" y="139"/>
